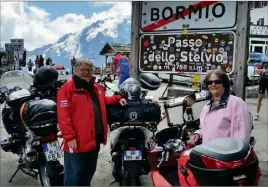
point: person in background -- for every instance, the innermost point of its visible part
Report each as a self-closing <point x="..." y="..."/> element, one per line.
<point x="30" y="65"/>
<point x="49" y="62"/>
<point x="262" y="69"/>
<point x="81" y="109"/>
<point x="123" y="66"/>
<point x="41" y="63"/>
<point x="225" y="115"/>
<point x="37" y="61"/>
<point x="73" y="64"/>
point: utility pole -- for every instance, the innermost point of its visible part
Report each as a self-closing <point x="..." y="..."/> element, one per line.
<point x="241" y="49"/>
<point x="135" y="30"/>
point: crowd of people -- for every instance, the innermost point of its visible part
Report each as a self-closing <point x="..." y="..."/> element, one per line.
<point x="39" y="62"/>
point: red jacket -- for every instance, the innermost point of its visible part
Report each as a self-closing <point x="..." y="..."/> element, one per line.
<point x="76" y="115"/>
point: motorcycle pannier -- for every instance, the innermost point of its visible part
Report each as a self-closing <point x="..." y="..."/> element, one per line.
<point x="149" y="81"/>
<point x="17" y="98"/>
<point x="40" y="116"/>
<point x="223" y="161"/>
<point x="136" y="112"/>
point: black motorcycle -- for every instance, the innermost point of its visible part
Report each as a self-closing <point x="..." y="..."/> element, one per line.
<point x="130" y="127"/>
<point x="29" y="117"/>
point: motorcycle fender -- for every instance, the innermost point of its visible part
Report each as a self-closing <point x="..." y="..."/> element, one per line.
<point x="186" y="177"/>
<point x="158" y="179"/>
<point x="133" y="168"/>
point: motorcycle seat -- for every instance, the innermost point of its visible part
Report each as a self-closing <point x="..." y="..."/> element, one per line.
<point x="224" y="149"/>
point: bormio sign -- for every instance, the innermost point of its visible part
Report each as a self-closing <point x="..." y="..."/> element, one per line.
<point x="178" y="15"/>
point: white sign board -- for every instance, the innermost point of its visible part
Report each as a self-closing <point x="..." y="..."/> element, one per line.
<point x="13" y="47"/>
<point x="178" y="15"/>
<point x="17" y="41"/>
<point x="259" y="30"/>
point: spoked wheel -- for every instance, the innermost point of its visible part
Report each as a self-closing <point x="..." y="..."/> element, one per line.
<point x="51" y="173"/>
<point x="44" y="179"/>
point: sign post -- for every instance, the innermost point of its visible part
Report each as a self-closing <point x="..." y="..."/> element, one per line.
<point x="135" y="32"/>
<point x="189" y="37"/>
<point x="242" y="32"/>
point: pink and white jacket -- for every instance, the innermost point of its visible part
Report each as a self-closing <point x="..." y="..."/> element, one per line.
<point x="230" y="118"/>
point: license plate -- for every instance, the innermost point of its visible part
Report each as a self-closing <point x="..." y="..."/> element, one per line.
<point x="239" y="177"/>
<point x="52" y="150"/>
<point x="132" y="155"/>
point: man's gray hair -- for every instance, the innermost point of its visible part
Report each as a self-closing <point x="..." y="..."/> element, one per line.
<point x="80" y="61"/>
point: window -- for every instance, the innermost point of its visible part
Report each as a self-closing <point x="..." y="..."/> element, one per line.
<point x="257" y="42"/>
<point x="257" y="4"/>
<point x="263" y="3"/>
<point x="251" y="4"/>
<point x="261" y="21"/>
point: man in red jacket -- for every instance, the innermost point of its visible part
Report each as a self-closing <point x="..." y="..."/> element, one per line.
<point x="83" y="124"/>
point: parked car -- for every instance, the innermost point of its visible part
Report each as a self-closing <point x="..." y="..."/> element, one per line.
<point x="254" y="59"/>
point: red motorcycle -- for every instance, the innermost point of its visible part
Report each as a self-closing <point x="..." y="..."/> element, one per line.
<point x="220" y="162"/>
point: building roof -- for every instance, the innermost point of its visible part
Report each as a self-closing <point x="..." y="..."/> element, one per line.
<point x="113" y="48"/>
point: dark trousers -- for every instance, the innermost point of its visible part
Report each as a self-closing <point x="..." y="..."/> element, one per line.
<point x="79" y="168"/>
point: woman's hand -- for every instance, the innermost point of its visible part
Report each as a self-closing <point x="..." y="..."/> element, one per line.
<point x="194" y="138"/>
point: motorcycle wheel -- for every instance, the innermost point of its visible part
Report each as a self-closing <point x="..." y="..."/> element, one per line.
<point x="129" y="181"/>
<point x="51" y="173"/>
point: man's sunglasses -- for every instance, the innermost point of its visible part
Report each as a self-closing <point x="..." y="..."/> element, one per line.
<point x="209" y="82"/>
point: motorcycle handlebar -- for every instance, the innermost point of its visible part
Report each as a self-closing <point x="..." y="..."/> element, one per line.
<point x="179" y="102"/>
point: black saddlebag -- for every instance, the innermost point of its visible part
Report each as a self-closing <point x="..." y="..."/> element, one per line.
<point x="12" y="122"/>
<point x="136" y="112"/>
<point x="40" y="116"/>
<point x="220" y="163"/>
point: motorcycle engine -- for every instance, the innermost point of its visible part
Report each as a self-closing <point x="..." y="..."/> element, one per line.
<point x="30" y="154"/>
<point x="11" y="144"/>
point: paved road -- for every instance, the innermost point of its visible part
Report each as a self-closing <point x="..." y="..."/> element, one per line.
<point x="103" y="173"/>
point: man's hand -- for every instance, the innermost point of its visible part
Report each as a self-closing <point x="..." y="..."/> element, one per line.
<point x="123" y="102"/>
<point x="194" y="138"/>
<point x="72" y="144"/>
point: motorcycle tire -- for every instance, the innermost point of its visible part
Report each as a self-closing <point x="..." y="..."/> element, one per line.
<point x="129" y="181"/>
<point x="51" y="173"/>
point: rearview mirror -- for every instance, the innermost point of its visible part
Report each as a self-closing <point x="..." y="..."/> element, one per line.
<point x="149" y="81"/>
<point x="3" y="89"/>
<point x="189" y="100"/>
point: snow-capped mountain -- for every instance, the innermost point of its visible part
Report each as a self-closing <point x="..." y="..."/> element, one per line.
<point x="86" y="43"/>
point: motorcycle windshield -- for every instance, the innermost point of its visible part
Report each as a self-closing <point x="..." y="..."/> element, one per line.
<point x="18" y="78"/>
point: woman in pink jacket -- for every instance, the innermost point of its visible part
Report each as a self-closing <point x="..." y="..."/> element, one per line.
<point x="225" y="115"/>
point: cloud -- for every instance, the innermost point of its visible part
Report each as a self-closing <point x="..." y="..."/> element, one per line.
<point x="101" y="3"/>
<point x="20" y="20"/>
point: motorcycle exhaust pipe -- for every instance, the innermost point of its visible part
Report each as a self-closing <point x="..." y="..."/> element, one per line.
<point x="30" y="152"/>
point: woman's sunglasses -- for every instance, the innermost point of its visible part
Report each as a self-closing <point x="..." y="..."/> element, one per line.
<point x="209" y="82"/>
